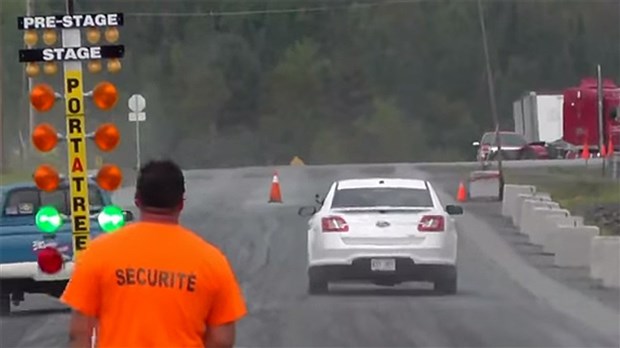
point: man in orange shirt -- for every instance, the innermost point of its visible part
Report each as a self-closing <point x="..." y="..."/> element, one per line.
<point x="154" y="283"/>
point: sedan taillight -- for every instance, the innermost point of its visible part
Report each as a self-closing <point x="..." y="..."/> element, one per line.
<point x="431" y="223"/>
<point x="334" y="224"/>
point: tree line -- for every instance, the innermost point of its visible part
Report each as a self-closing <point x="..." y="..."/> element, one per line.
<point x="231" y="83"/>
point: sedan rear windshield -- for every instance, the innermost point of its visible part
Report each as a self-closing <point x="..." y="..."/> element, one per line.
<point x="382" y="197"/>
<point x="28" y="201"/>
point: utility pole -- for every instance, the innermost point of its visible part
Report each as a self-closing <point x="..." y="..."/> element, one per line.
<point x="2" y="158"/>
<point x="601" y="118"/>
<point x="492" y="98"/>
<point x="615" y="158"/>
<point x="599" y="106"/>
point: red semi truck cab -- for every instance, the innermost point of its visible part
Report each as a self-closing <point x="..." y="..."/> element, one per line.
<point x="580" y="114"/>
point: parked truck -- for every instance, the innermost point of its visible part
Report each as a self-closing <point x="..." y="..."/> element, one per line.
<point x="568" y="121"/>
<point x="21" y="241"/>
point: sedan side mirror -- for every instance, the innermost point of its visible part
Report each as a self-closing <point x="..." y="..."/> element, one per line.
<point x="318" y="199"/>
<point x="306" y="211"/>
<point x="454" y="210"/>
<point x="128" y="215"/>
<point x="475" y="143"/>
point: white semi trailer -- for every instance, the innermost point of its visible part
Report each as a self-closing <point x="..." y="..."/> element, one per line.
<point x="538" y="117"/>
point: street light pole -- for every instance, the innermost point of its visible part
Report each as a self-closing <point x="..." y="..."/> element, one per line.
<point x="492" y="97"/>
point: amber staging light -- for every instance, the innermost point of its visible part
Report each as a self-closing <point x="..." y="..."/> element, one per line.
<point x="31" y="37"/>
<point x="50" y="68"/>
<point x="112" y="34"/>
<point x="94" y="66"/>
<point x="93" y="35"/>
<point x="109" y="177"/>
<point x="114" y="65"/>
<point x="105" y="95"/>
<point x="107" y="137"/>
<point x="46" y="178"/>
<point x="32" y="69"/>
<point x="50" y="36"/>
<point x="44" y="137"/>
<point x="42" y="97"/>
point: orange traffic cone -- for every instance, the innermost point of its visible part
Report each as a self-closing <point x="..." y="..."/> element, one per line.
<point x="610" y="148"/>
<point x="603" y="151"/>
<point x="461" y="195"/>
<point x="275" y="196"/>
<point x="585" y="153"/>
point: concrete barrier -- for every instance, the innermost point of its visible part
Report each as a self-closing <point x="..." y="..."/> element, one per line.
<point x="551" y="238"/>
<point x="605" y="260"/>
<point x="516" y="213"/>
<point x="573" y="248"/>
<point x="510" y="196"/>
<point x="527" y="222"/>
<point x="516" y="209"/>
<point x="541" y="224"/>
<point x="484" y="184"/>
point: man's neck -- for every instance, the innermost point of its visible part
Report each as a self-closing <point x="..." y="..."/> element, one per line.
<point x="159" y="217"/>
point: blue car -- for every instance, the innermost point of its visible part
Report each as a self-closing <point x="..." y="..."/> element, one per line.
<point x="20" y="239"/>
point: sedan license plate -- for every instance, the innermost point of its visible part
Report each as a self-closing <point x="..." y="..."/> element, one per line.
<point x="383" y="265"/>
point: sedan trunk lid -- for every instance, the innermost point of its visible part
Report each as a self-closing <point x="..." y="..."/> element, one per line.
<point x="382" y="226"/>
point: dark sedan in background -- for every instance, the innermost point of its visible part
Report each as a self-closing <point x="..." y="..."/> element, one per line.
<point x="514" y="147"/>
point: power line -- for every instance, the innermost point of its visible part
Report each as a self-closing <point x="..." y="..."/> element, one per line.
<point x="274" y="11"/>
<point x="331" y="1"/>
<point x="355" y="6"/>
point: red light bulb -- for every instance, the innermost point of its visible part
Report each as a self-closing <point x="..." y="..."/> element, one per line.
<point x="50" y="260"/>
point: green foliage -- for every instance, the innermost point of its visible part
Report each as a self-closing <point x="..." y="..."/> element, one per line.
<point x="292" y="112"/>
<point x="387" y="136"/>
<point x="390" y="83"/>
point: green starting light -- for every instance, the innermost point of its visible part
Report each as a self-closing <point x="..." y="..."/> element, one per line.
<point x="48" y="219"/>
<point x="111" y="218"/>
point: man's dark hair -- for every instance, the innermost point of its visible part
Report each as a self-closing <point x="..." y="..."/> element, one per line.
<point x="160" y="184"/>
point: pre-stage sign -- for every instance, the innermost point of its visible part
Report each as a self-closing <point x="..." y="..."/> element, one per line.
<point x="78" y="175"/>
<point x="71" y="53"/>
<point x="71" y="21"/>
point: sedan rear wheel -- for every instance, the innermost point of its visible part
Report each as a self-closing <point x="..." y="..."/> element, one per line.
<point x="447" y="283"/>
<point x="317" y="285"/>
<point x="5" y="304"/>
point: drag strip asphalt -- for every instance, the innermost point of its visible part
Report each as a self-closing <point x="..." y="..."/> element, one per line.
<point x="497" y="304"/>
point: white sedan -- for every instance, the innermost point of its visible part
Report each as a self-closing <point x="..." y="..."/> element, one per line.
<point x="383" y="231"/>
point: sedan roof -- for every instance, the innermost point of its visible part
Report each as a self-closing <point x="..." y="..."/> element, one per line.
<point x="382" y="182"/>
